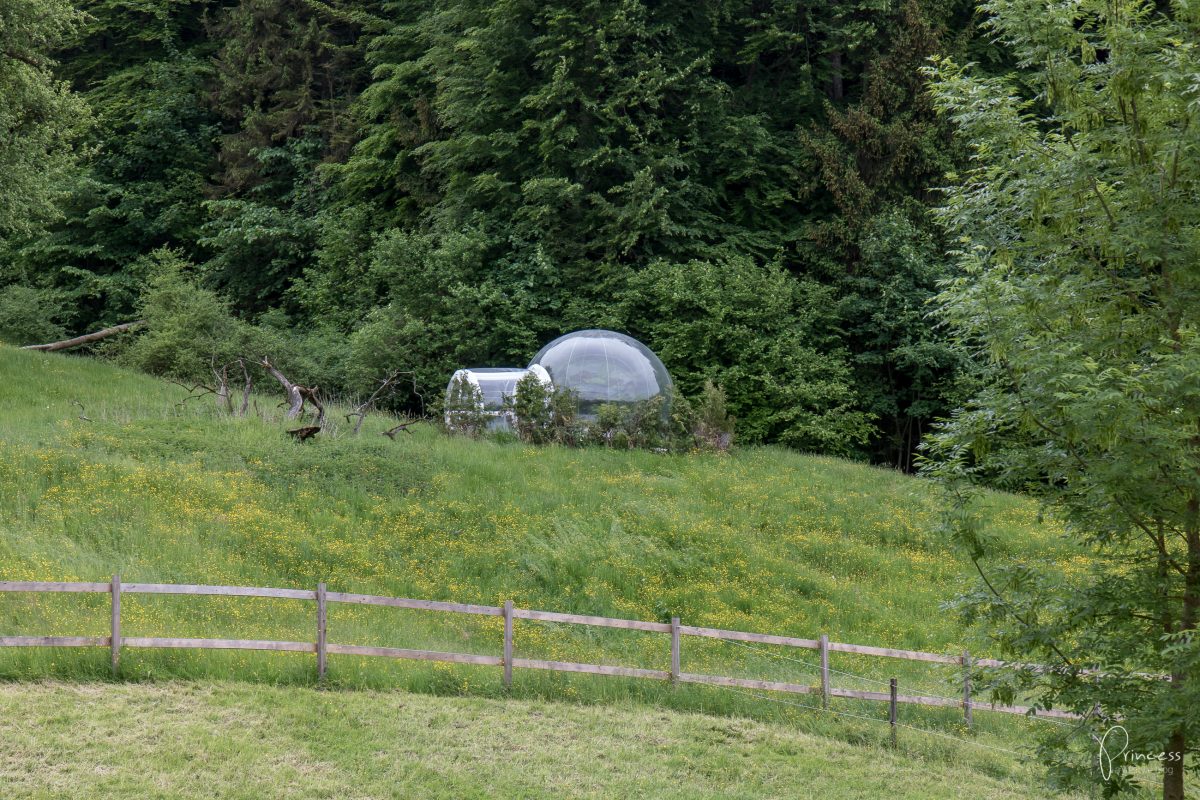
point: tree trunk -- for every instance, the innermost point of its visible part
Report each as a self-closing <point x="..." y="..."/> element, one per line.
<point x="1177" y="744"/>
<point x="836" y="91"/>
<point x="86" y="338"/>
<point x="295" y="398"/>
<point x="1173" y="767"/>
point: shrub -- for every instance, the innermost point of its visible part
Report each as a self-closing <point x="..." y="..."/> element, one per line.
<point x="188" y="328"/>
<point x="464" y="408"/>
<point x="609" y="417"/>
<point x="765" y="336"/>
<point x="565" y="426"/>
<point x="712" y="427"/>
<point x="530" y="407"/>
<point x="644" y="423"/>
<point x="29" y="316"/>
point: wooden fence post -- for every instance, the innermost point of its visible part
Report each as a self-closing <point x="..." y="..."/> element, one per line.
<point x="508" y="637"/>
<point x="892" y="711"/>
<point x="322" y="625"/>
<point x="824" y="670"/>
<point x="674" y="649"/>
<point x="115" y="641"/>
<point x="966" y="665"/>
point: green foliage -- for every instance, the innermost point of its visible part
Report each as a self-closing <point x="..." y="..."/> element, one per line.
<point x="285" y="75"/>
<point x="41" y="120"/>
<point x="464" y="408"/>
<point x="29" y="316"/>
<point x="567" y="427"/>
<point x="142" y="190"/>
<point x="906" y="371"/>
<point x="712" y="426"/>
<point x="762" y="334"/>
<point x="1077" y="283"/>
<point x="189" y="329"/>
<point x="545" y="415"/>
<point x="531" y="410"/>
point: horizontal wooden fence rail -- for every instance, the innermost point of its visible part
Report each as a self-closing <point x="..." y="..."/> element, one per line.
<point x="322" y="647"/>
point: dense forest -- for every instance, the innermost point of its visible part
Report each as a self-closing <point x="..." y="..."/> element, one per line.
<point x="378" y="185"/>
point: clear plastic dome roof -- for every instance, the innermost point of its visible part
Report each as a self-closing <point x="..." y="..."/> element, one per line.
<point x="604" y="367"/>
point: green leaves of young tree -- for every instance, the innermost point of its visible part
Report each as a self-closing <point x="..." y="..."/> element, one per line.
<point x="1075" y="227"/>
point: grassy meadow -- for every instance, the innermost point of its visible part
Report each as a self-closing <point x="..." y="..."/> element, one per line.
<point x="240" y="740"/>
<point x="157" y="488"/>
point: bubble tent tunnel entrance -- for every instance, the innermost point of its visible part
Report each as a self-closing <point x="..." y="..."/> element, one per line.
<point x="599" y="366"/>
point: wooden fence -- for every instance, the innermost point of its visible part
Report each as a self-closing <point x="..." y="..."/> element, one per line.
<point x="322" y="647"/>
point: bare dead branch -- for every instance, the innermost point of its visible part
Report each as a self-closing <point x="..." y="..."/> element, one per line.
<point x="295" y="398"/>
<point x="246" y="387"/>
<point x="403" y="426"/>
<point x="195" y="391"/>
<point x="224" y="399"/>
<point x="366" y="406"/>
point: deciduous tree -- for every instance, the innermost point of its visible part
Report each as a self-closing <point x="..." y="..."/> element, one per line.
<point x="1076" y="229"/>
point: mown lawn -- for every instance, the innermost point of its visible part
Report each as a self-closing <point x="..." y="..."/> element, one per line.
<point x="228" y="740"/>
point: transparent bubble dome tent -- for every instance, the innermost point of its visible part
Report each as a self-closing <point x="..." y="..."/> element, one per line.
<point x="604" y="367"/>
<point x="599" y="366"/>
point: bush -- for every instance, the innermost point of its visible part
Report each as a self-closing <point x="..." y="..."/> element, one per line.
<point x="765" y="336"/>
<point x="712" y="427"/>
<point x="29" y="316"/>
<point x="188" y="330"/>
<point x="565" y="425"/>
<point x="530" y="407"/>
<point x="543" y="415"/>
<point x="464" y="408"/>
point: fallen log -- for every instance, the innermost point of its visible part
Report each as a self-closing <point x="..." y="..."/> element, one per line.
<point x="86" y="338"/>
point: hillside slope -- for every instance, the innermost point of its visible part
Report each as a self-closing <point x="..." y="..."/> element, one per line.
<point x="159" y="489"/>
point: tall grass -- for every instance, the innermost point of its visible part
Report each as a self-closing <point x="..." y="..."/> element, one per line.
<point x="157" y="488"/>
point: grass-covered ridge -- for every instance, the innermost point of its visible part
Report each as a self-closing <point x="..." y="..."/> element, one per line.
<point x="763" y="539"/>
<point x="766" y="539"/>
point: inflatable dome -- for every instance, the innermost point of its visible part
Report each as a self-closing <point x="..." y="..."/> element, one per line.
<point x="604" y="367"/>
